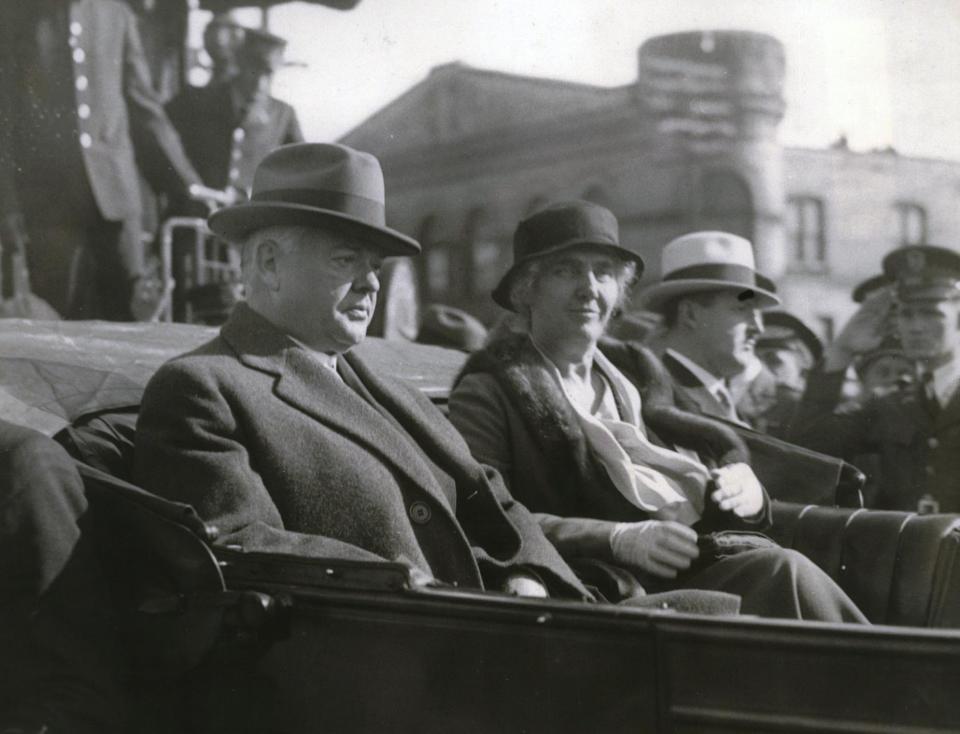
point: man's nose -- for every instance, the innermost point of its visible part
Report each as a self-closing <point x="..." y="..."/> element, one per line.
<point x="367" y="281"/>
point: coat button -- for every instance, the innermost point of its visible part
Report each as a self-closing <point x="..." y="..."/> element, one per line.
<point x="85" y="140"/>
<point x="239" y="134"/>
<point x="420" y="513"/>
<point x="933" y="443"/>
<point x="79" y="55"/>
<point x="75" y="29"/>
<point x="234" y="174"/>
<point x="82" y="83"/>
<point x="83" y="111"/>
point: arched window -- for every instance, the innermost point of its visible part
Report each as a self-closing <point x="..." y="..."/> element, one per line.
<point x="806" y="231"/>
<point x="436" y="259"/>
<point x="723" y="201"/>
<point x="486" y="252"/>
<point x="912" y="219"/>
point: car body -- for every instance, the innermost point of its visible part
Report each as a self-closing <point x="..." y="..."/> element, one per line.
<point x="227" y="641"/>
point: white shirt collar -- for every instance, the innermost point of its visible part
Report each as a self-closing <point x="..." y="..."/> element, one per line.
<point x="326" y="360"/>
<point x="713" y="383"/>
<point x="946" y="379"/>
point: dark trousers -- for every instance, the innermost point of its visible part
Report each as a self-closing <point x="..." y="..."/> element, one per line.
<point x="60" y="657"/>
<point x="85" y="269"/>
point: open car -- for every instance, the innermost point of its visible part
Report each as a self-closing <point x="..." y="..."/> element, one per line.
<point x="222" y="640"/>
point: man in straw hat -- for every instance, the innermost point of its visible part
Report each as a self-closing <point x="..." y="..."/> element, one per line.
<point x="711" y="298"/>
<point x="285" y="438"/>
<point x="915" y="430"/>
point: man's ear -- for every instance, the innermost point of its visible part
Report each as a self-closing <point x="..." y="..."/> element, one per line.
<point x="267" y="256"/>
<point x="688" y="312"/>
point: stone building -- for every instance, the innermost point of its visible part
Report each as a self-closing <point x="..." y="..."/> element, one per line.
<point x="691" y="144"/>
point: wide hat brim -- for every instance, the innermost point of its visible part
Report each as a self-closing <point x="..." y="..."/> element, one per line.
<point x="501" y="294"/>
<point x="657" y="295"/>
<point x="235" y="223"/>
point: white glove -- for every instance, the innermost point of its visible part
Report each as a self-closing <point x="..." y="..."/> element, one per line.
<point x="523" y="584"/>
<point x="738" y="489"/>
<point x="660" y="547"/>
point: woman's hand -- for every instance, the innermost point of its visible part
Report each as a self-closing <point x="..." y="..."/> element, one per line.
<point x="738" y="490"/>
<point x="660" y="547"/>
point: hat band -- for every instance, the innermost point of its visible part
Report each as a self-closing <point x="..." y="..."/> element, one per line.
<point x="361" y="207"/>
<point x="738" y="274"/>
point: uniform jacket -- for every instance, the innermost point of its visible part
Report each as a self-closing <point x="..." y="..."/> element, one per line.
<point x="75" y="98"/>
<point x="281" y="455"/>
<point x="514" y="417"/>
<point x="218" y="141"/>
<point x="918" y="449"/>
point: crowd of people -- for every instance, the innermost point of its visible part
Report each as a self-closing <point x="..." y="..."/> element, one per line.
<point x="563" y="442"/>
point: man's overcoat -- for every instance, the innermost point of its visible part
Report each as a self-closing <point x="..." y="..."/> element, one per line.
<point x="283" y="454"/>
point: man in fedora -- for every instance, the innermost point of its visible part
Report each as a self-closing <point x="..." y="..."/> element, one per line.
<point x="229" y="126"/>
<point x="711" y="299"/>
<point x="914" y="428"/>
<point x="281" y="435"/>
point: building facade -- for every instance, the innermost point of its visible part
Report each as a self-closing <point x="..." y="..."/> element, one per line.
<point x="691" y="144"/>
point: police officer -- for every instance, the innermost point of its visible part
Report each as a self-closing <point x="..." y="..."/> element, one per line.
<point x="75" y="97"/>
<point x="914" y="429"/>
<point x="228" y="127"/>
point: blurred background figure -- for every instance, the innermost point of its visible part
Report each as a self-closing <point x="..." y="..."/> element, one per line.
<point x="229" y="126"/>
<point x="446" y="326"/>
<point x="221" y="38"/>
<point x="885" y="367"/>
<point x="75" y="97"/>
<point x="768" y="392"/>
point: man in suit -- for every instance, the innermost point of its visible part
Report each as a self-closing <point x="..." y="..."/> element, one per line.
<point x="711" y="302"/>
<point x="75" y="98"/>
<point x="229" y="126"/>
<point x="283" y="437"/>
<point x="915" y="427"/>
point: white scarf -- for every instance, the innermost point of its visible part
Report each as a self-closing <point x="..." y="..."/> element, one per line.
<point x="662" y="482"/>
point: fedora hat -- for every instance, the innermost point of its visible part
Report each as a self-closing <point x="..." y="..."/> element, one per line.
<point x="708" y="261"/>
<point x="323" y="185"/>
<point x="559" y="227"/>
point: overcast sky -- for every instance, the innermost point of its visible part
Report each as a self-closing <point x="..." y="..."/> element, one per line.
<point x="881" y="71"/>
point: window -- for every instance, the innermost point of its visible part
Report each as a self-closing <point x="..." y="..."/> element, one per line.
<point x="806" y="231"/>
<point x="438" y="269"/>
<point x="723" y="201"/>
<point x="913" y="224"/>
<point x="485" y="252"/>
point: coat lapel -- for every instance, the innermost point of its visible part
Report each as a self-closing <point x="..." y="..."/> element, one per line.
<point x="693" y="388"/>
<point x="308" y="386"/>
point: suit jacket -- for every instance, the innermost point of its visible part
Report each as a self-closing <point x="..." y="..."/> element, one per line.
<point x="693" y="390"/>
<point x="918" y="449"/>
<point x="283" y="455"/>
<point x="76" y="97"/>
<point x="208" y="124"/>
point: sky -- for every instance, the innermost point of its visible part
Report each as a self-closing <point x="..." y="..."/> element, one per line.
<point x="882" y="72"/>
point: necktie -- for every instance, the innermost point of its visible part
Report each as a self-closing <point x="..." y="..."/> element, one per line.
<point x="928" y="394"/>
<point x="726" y="403"/>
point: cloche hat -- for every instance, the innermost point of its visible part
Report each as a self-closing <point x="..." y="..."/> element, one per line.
<point x="559" y="227"/>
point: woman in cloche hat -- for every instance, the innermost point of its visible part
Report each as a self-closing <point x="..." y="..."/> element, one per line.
<point x="560" y="414"/>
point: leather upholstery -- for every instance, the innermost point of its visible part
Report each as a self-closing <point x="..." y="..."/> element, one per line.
<point x="899" y="567"/>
